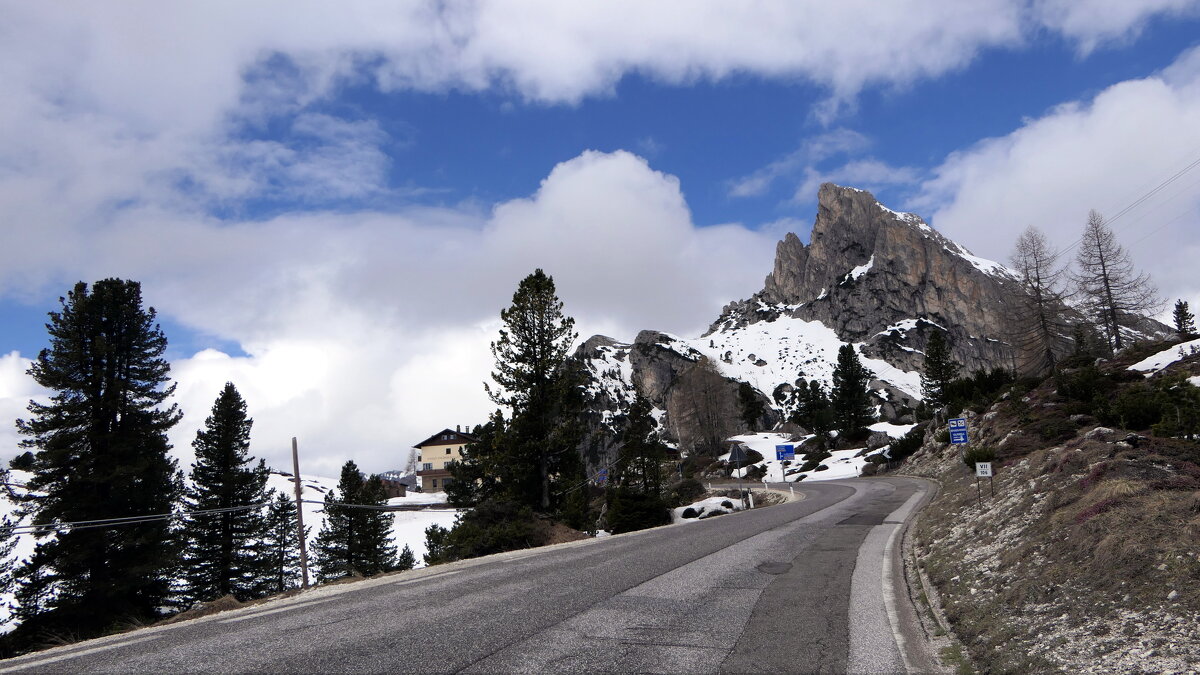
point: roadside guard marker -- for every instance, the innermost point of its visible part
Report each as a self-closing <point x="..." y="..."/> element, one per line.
<point x="984" y="470"/>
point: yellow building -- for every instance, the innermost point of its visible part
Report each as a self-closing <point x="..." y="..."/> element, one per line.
<point x="436" y="452"/>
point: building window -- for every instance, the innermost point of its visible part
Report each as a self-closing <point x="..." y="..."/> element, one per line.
<point x="427" y="466"/>
<point x="447" y="451"/>
<point x="434" y="482"/>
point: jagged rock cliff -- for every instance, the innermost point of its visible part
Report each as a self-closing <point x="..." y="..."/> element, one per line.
<point x="884" y="279"/>
<point x="872" y="277"/>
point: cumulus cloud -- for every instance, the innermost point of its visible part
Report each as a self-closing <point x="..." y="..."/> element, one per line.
<point x="16" y="390"/>
<point x="125" y="127"/>
<point x="1105" y="154"/>
<point x="362" y="331"/>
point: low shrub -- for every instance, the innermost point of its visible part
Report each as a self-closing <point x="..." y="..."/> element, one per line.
<point x="686" y="491"/>
<point x="821" y="468"/>
<point x="942" y="435"/>
<point x="689" y="512"/>
<point x="982" y="453"/>
<point x="630" y="511"/>
<point x="1138" y="407"/>
<point x="492" y="526"/>
<point x="1055" y="429"/>
<point x="909" y="443"/>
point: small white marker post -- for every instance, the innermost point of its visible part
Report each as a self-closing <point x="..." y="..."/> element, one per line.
<point x="983" y="470"/>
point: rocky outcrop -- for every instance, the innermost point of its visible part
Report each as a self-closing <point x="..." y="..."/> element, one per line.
<point x="886" y="279"/>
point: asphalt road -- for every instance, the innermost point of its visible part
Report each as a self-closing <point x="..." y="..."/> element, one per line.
<point x="800" y="587"/>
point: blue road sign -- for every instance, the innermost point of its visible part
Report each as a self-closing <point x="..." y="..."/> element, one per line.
<point x="958" y="430"/>
<point x="783" y="452"/>
<point x="602" y="476"/>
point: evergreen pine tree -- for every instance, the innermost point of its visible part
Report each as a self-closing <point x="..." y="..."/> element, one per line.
<point x="642" y="452"/>
<point x="1185" y="321"/>
<point x="751" y="406"/>
<point x="101" y="452"/>
<point x="813" y="411"/>
<point x="8" y="542"/>
<point x="939" y="372"/>
<point x="634" y="494"/>
<point x="221" y="557"/>
<point x="851" y="405"/>
<point x="530" y="355"/>
<point x="355" y="540"/>
<point x="279" y="549"/>
<point x="407" y="560"/>
<point x="377" y="553"/>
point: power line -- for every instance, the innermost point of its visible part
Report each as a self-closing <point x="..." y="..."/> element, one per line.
<point x="127" y="520"/>
<point x="1142" y="199"/>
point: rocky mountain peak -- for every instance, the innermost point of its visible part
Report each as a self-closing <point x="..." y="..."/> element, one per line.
<point x="883" y="278"/>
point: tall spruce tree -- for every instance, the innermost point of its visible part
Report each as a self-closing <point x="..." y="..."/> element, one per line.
<point x="221" y="557"/>
<point x="279" y="548"/>
<point x="751" y="406"/>
<point x="851" y="406"/>
<point x="940" y="370"/>
<point x="530" y="355"/>
<point x="1185" y="321"/>
<point x="813" y="410"/>
<point x="355" y="540"/>
<point x="642" y="451"/>
<point x="634" y="494"/>
<point x="101" y="452"/>
<point x="8" y="544"/>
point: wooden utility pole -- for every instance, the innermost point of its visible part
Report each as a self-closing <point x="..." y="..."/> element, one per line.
<point x="299" y="514"/>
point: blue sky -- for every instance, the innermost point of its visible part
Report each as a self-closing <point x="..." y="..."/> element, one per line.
<point x="329" y="205"/>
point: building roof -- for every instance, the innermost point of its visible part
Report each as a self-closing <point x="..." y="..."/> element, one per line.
<point x="445" y="437"/>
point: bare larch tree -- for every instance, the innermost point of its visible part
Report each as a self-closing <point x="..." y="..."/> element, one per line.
<point x="1039" y="325"/>
<point x="1113" y="291"/>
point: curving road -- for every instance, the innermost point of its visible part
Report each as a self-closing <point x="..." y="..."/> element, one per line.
<point x="806" y="586"/>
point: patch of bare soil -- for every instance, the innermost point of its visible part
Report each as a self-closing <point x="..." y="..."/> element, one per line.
<point x="557" y="533"/>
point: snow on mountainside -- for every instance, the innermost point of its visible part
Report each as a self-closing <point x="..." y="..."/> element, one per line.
<point x="878" y="279"/>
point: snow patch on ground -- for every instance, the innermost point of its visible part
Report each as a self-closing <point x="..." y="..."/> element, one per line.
<point x="705" y="508"/>
<point x="893" y="430"/>
<point x="840" y="463"/>
<point x="1153" y="364"/>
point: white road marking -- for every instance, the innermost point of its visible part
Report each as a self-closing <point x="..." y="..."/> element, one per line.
<point x="38" y="663"/>
<point x="276" y="610"/>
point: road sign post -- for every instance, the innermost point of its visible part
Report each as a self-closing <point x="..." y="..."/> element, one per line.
<point x="958" y="431"/>
<point x="738" y="455"/>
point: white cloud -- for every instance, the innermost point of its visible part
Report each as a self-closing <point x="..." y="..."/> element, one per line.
<point x="1104" y="153"/>
<point x="16" y="390"/>
<point x="1092" y="23"/>
<point x="122" y="125"/>
<point x="867" y="173"/>
<point x="812" y="151"/>
<point x="362" y="331"/>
